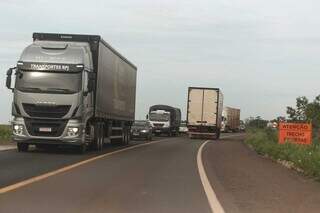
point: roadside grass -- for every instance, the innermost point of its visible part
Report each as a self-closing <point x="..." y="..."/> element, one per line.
<point x="5" y="134"/>
<point x="303" y="158"/>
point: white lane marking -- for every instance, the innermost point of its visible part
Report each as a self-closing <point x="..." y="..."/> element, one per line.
<point x="67" y="168"/>
<point x="214" y="203"/>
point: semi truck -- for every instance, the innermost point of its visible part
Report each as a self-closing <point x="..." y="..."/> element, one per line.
<point x="72" y="89"/>
<point x="230" y="119"/>
<point x="204" y="112"/>
<point x="164" y="119"/>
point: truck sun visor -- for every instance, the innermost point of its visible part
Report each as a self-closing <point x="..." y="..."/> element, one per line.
<point x="54" y="46"/>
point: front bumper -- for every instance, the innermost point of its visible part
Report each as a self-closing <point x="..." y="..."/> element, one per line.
<point x="160" y="129"/>
<point x="139" y="134"/>
<point x="64" y="138"/>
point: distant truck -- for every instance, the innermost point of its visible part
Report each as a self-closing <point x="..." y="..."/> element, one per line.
<point x="230" y="119"/>
<point x="165" y="119"/>
<point x="204" y="112"/>
<point x="72" y="90"/>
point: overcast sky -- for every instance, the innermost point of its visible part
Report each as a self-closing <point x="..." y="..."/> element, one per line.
<point x="262" y="54"/>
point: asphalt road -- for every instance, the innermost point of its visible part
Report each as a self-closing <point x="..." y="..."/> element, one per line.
<point x="18" y="166"/>
<point x="160" y="177"/>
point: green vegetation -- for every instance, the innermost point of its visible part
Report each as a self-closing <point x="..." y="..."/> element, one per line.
<point x="307" y="112"/>
<point x="256" y="122"/>
<point x="5" y="134"/>
<point x="306" y="158"/>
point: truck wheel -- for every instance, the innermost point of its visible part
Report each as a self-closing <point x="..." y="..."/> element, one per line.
<point x="101" y="137"/>
<point x="217" y="135"/>
<point x="98" y="136"/>
<point x="22" y="147"/>
<point x="126" y="134"/>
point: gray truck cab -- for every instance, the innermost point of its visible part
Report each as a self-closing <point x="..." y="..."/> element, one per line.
<point x="52" y="93"/>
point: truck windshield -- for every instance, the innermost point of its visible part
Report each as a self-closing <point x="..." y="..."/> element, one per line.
<point x="49" y="82"/>
<point x="159" y="117"/>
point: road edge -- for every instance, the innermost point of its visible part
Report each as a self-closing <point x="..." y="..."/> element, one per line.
<point x="7" y="147"/>
<point x="214" y="203"/>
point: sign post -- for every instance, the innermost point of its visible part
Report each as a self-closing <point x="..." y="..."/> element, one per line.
<point x="298" y="133"/>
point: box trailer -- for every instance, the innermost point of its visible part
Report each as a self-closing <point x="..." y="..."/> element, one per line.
<point x="204" y="112"/>
<point x="72" y="90"/>
<point x="230" y="119"/>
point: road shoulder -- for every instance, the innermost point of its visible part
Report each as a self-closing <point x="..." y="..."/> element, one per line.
<point x="7" y="147"/>
<point x="246" y="182"/>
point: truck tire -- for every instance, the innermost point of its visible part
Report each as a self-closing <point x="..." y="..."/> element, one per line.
<point x="126" y="137"/>
<point x="101" y="137"/>
<point x="22" y="147"/>
<point x="98" y="136"/>
<point x="217" y="137"/>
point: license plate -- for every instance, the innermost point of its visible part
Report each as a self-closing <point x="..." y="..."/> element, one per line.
<point x="135" y="133"/>
<point x="44" y="129"/>
<point x="158" y="130"/>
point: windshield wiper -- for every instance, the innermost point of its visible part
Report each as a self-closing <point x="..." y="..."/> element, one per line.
<point x="30" y="89"/>
<point x="68" y="91"/>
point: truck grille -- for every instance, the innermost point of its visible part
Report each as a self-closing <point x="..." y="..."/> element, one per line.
<point x="33" y="127"/>
<point x="34" y="110"/>
<point x="158" y="125"/>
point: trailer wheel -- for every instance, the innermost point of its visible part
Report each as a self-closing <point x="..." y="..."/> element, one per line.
<point x="128" y="136"/>
<point x="22" y="147"/>
<point x="101" y="137"/>
<point x="217" y="135"/>
<point x="125" y="137"/>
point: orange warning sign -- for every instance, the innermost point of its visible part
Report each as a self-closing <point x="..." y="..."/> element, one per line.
<point x="299" y="133"/>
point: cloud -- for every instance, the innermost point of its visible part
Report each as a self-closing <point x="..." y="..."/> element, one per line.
<point x="261" y="53"/>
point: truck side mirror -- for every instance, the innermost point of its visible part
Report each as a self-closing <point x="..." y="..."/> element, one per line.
<point x="147" y="116"/>
<point x="8" y="80"/>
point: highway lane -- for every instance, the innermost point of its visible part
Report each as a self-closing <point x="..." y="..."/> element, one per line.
<point x="16" y="166"/>
<point x="161" y="177"/>
<point x="164" y="177"/>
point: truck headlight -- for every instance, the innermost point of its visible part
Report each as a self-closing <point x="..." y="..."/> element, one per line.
<point x="18" y="129"/>
<point x="144" y="131"/>
<point x="73" y="131"/>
